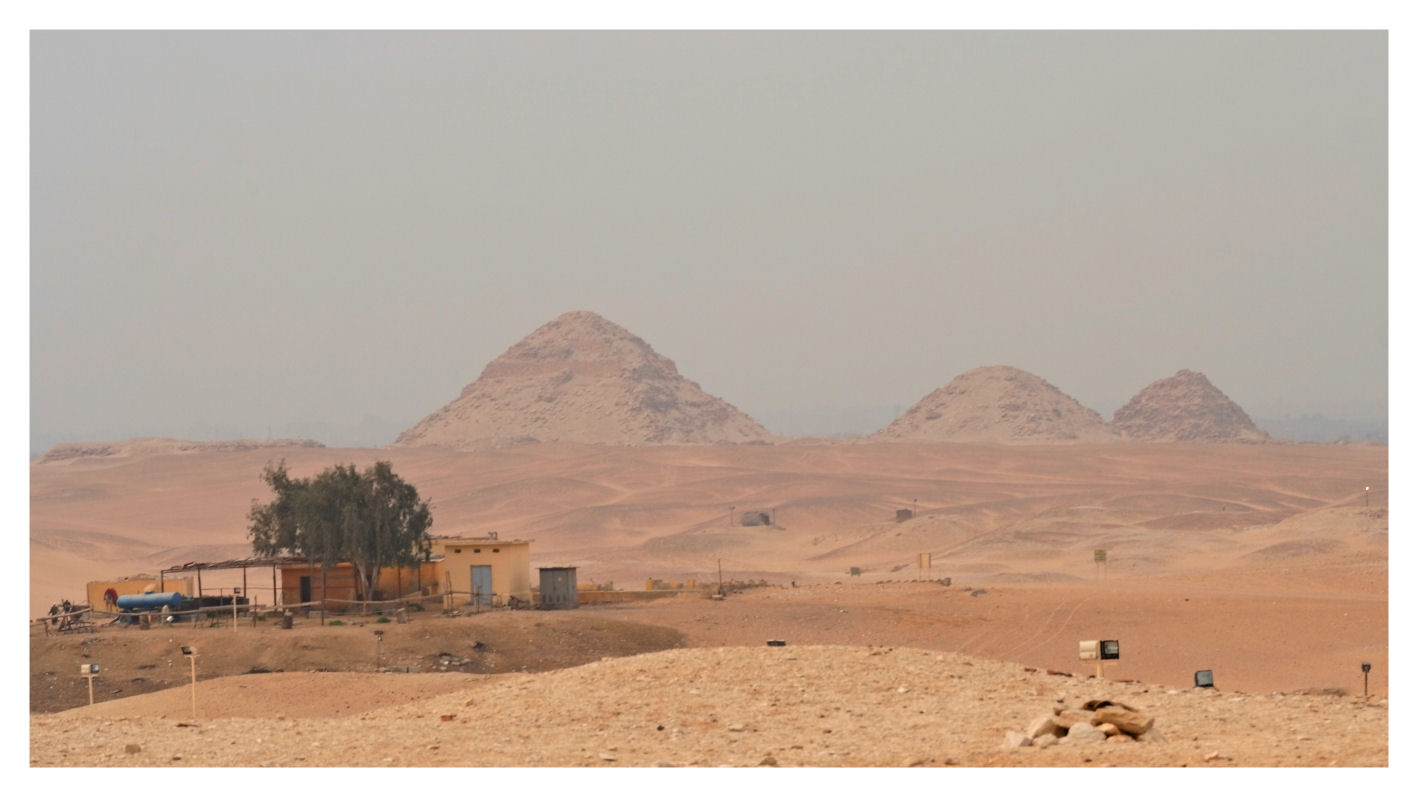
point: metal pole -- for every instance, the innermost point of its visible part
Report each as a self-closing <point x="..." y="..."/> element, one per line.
<point x="91" y="687"/>
<point x="193" y="659"/>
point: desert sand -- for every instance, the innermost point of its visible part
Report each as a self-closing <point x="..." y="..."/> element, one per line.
<point x="1260" y="562"/>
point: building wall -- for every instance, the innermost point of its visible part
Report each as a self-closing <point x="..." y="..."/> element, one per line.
<point x="134" y="586"/>
<point x="342" y="583"/>
<point x="423" y="579"/>
<point x="339" y="583"/>
<point x="510" y="560"/>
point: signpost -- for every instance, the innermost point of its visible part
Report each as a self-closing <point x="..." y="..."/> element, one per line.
<point x="90" y="671"/>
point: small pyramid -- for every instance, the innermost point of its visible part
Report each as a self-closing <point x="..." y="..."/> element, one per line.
<point x="1182" y="408"/>
<point x="999" y="404"/>
<point x="581" y="378"/>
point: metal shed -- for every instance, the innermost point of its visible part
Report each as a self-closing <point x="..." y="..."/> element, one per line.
<point x="558" y="588"/>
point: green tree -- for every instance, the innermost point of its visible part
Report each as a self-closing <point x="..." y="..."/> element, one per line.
<point x="372" y="519"/>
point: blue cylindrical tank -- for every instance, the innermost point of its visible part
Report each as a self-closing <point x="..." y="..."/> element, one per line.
<point x="150" y="600"/>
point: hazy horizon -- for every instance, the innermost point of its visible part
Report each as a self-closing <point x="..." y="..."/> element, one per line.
<point x="264" y="232"/>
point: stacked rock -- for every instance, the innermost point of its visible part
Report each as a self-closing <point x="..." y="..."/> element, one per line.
<point x="1095" y="722"/>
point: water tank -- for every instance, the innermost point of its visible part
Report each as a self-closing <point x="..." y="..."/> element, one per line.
<point x="150" y="600"/>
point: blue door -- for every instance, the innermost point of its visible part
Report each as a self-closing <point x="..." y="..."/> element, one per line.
<point x="481" y="578"/>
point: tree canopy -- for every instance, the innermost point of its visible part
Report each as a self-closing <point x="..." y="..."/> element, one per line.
<point x="372" y="519"/>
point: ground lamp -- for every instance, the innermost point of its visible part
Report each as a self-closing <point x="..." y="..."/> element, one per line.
<point x="1203" y="680"/>
<point x="1363" y="665"/>
<point x="191" y="654"/>
<point x="89" y="671"/>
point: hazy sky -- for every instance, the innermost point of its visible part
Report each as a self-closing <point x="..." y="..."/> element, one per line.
<point x="236" y="232"/>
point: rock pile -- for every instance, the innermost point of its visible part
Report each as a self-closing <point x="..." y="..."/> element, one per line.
<point x="1095" y="722"/>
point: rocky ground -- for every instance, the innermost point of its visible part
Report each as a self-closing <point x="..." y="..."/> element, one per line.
<point x="789" y="706"/>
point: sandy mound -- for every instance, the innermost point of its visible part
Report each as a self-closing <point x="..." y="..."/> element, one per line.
<point x="1185" y="407"/>
<point x="582" y="378"/>
<point x="998" y="404"/>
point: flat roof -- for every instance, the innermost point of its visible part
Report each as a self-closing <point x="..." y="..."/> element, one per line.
<point x="232" y="564"/>
<point x="465" y="540"/>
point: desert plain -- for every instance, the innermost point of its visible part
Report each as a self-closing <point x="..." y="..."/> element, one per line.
<point x="1264" y="563"/>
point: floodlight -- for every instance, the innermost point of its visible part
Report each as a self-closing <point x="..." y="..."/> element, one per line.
<point x="1204" y="680"/>
<point x="1365" y="666"/>
<point x="188" y="650"/>
<point x="88" y="669"/>
<point x="1108" y="649"/>
<point x="1088" y="649"/>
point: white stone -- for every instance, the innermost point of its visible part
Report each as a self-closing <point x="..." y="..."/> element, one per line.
<point x="1014" y="740"/>
<point x="1083" y="733"/>
<point x="1042" y="726"/>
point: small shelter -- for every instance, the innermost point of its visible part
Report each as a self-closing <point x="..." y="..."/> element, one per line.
<point x="558" y="588"/>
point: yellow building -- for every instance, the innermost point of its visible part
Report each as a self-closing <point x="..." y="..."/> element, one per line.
<point x="487" y="570"/>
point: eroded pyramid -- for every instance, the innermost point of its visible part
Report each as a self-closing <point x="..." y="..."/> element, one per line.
<point x="581" y="378"/>
<point x="1182" y="408"/>
<point x="999" y="404"/>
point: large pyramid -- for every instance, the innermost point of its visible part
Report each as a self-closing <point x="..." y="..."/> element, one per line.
<point x="1183" y="408"/>
<point x="999" y="404"/>
<point x="581" y="378"/>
